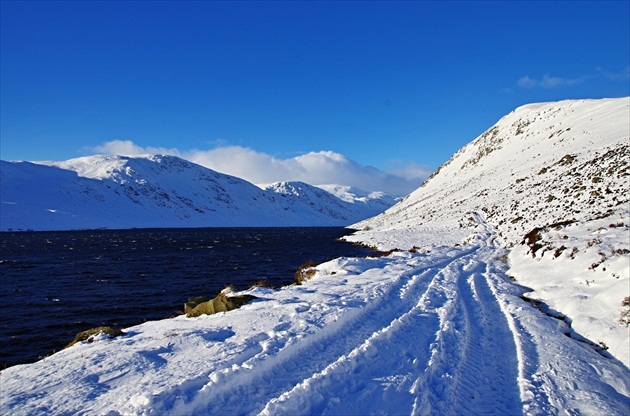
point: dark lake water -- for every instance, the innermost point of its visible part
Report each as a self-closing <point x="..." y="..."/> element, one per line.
<point x="56" y="284"/>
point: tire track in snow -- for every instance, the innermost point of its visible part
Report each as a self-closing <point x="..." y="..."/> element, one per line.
<point x="533" y="394"/>
<point x="534" y="398"/>
<point x="435" y="341"/>
<point x="385" y="365"/>
<point x="493" y="352"/>
<point x="293" y="364"/>
<point x="247" y="389"/>
<point x="474" y="367"/>
<point x="484" y="380"/>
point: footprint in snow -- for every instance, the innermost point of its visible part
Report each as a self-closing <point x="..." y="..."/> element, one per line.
<point x="218" y="335"/>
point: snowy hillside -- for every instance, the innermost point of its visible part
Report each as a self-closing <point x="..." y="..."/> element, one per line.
<point x="541" y="164"/>
<point x="553" y="181"/>
<point x="157" y="191"/>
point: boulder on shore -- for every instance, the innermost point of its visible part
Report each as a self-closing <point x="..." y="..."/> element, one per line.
<point x="193" y="302"/>
<point x="222" y="303"/>
<point x="90" y="333"/>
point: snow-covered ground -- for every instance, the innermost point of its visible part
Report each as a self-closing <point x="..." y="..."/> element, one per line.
<point x="500" y="300"/>
<point x="439" y="331"/>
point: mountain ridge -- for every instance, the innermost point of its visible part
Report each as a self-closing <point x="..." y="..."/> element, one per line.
<point x="104" y="191"/>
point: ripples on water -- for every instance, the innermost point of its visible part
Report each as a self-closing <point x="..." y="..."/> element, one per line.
<point x="56" y="284"/>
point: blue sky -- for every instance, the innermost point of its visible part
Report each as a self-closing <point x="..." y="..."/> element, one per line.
<point x="399" y="86"/>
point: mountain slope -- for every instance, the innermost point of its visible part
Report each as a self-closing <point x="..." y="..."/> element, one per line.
<point x="560" y="161"/>
<point x="334" y="201"/>
<point x="552" y="181"/>
<point x="152" y="191"/>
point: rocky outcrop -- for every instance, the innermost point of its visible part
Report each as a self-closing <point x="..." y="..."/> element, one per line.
<point x="91" y="333"/>
<point x="222" y="303"/>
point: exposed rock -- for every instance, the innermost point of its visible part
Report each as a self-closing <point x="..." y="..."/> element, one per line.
<point x="193" y="302"/>
<point x="222" y="303"/>
<point x="90" y="333"/>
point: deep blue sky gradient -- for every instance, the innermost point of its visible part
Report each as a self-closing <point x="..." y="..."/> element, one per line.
<point x="381" y="82"/>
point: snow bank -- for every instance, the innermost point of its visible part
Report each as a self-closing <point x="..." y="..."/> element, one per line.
<point x="582" y="273"/>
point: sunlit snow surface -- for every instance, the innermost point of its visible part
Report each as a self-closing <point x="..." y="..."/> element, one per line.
<point x="439" y="332"/>
<point x="449" y="328"/>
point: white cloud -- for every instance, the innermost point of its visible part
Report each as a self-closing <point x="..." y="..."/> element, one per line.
<point x="316" y="168"/>
<point x="129" y="148"/>
<point x="615" y="76"/>
<point x="548" y="82"/>
<point x="411" y="171"/>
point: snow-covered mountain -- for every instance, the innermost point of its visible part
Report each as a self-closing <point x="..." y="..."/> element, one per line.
<point x="379" y="200"/>
<point x="552" y="180"/>
<point x="333" y="199"/>
<point x="541" y="164"/>
<point x="159" y="191"/>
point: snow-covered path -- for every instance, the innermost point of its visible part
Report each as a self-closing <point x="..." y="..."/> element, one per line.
<point x="441" y="346"/>
<point x="441" y="332"/>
